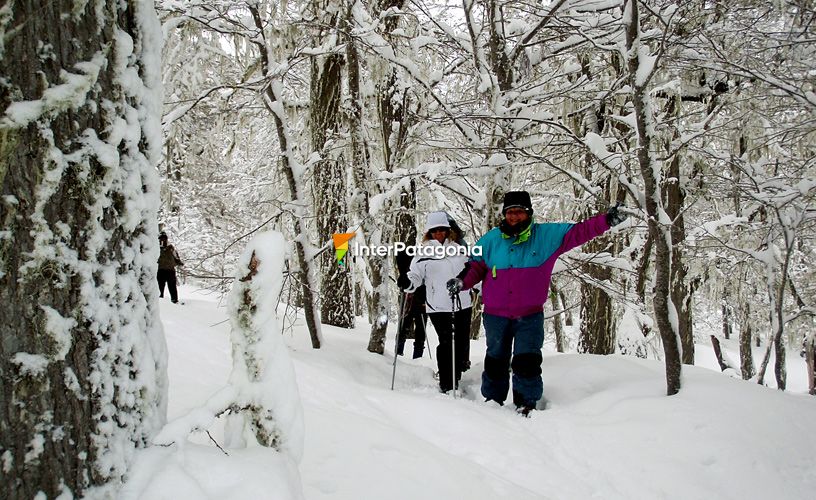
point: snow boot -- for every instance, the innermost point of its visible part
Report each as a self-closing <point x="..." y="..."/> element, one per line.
<point x="524" y="411"/>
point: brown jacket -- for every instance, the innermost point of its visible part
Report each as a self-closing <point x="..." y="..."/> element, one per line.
<point x="168" y="258"/>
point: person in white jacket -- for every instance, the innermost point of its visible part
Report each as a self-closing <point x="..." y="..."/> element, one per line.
<point x="434" y="269"/>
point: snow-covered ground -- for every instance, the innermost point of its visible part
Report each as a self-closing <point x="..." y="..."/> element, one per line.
<point x="609" y="431"/>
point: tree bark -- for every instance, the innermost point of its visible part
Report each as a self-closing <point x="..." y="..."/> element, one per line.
<point x="746" y="353"/>
<point x="680" y="290"/>
<point x="275" y="105"/>
<point x="598" y="323"/>
<point x="329" y="192"/>
<point x="650" y="172"/>
<point x="82" y="355"/>
<point x="558" y="327"/>
<point x="726" y="321"/>
<point x="392" y="102"/>
<point x="643" y="269"/>
<point x="715" y="343"/>
<point x="810" y="358"/>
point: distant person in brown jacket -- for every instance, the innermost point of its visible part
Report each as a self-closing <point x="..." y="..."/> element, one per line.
<point x="168" y="260"/>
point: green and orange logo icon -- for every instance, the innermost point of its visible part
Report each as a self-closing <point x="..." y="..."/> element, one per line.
<point x="341" y="246"/>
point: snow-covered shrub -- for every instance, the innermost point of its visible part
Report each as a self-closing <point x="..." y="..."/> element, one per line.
<point x="262" y="370"/>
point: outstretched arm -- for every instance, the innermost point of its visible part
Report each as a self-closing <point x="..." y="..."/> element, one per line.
<point x="584" y="231"/>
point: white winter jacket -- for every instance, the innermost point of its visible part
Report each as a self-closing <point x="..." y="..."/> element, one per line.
<point x="435" y="272"/>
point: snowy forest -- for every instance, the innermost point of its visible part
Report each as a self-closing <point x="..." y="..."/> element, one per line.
<point x="218" y="120"/>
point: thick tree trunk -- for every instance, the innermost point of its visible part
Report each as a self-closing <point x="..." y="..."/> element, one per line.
<point x="598" y="324"/>
<point x="329" y="193"/>
<point x="82" y="355"/>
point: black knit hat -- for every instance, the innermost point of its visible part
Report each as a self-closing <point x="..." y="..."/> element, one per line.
<point x="517" y="199"/>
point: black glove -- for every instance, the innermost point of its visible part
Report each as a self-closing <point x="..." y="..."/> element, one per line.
<point x="403" y="282"/>
<point x="454" y="285"/>
<point x="614" y="216"/>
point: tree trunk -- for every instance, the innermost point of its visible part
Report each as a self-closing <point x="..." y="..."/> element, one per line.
<point x="726" y="321"/>
<point x="558" y="327"/>
<point x="776" y="295"/>
<point x="715" y="343"/>
<point x="810" y="358"/>
<point x="289" y="166"/>
<point x="568" y="321"/>
<point x="380" y="306"/>
<point x="476" y="318"/>
<point x="675" y="198"/>
<point x="329" y="196"/>
<point x="643" y="269"/>
<point x="681" y="291"/>
<point x="746" y="353"/>
<point x="82" y="353"/>
<point x="378" y="303"/>
<point x="650" y="171"/>
<point x="598" y="324"/>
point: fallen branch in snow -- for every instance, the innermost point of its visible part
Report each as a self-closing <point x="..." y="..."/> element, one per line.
<point x="216" y="443"/>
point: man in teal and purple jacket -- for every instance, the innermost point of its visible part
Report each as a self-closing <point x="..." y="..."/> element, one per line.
<point x="515" y="265"/>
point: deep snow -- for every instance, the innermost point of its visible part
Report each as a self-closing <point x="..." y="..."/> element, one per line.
<point x="609" y="431"/>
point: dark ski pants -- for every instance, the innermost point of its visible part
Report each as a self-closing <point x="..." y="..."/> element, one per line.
<point x="513" y="344"/>
<point x="168" y="276"/>
<point x="442" y="324"/>
<point x="414" y="321"/>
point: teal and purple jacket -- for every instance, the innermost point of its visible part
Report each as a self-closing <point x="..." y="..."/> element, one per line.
<point x="516" y="270"/>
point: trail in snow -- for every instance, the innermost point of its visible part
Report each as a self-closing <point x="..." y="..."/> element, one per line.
<point x="609" y="432"/>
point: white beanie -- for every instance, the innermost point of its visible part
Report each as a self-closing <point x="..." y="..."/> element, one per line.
<point x="437" y="219"/>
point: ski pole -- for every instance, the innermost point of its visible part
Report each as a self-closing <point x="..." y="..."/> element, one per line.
<point x="453" y="296"/>
<point x="424" y="319"/>
<point x="401" y="319"/>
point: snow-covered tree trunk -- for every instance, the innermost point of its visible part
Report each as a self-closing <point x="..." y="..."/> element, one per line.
<point x="640" y="65"/>
<point x="261" y="401"/>
<point x="329" y="177"/>
<point x="82" y="356"/>
<point x="392" y="98"/>
<point x="293" y="172"/>
<point x="675" y="196"/>
<point x="263" y="378"/>
<point x="776" y="297"/>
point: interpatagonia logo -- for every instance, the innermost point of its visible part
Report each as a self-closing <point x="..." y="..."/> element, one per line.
<point x="341" y="246"/>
